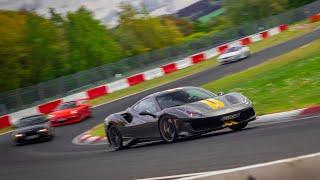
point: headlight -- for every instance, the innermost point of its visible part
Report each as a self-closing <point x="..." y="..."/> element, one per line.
<point x="18" y="135"/>
<point x="191" y="114"/>
<point x="51" y="116"/>
<point x="43" y="130"/>
<point x="74" y="112"/>
<point x="194" y="114"/>
<point x="246" y="100"/>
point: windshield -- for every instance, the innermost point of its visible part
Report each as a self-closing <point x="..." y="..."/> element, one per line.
<point x="29" y="121"/>
<point x="182" y="96"/>
<point x="68" y="105"/>
<point x="233" y="49"/>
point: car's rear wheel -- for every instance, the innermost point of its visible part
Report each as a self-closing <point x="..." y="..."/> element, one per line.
<point x="239" y="127"/>
<point x="168" y="129"/>
<point x="114" y="138"/>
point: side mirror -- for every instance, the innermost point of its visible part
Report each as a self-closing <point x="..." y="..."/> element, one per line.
<point x="220" y="93"/>
<point x="146" y="113"/>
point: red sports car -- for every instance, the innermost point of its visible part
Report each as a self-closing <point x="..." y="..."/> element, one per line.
<point x="69" y="112"/>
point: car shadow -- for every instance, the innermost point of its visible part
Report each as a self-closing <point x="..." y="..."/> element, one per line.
<point x="186" y="139"/>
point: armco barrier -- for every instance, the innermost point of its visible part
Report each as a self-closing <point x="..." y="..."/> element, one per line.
<point x="265" y="34"/>
<point x="198" y="58"/>
<point x="96" y="92"/>
<point x="169" y="68"/>
<point x="136" y="79"/>
<point x="245" y="41"/>
<point x="4" y="121"/>
<point x="49" y="107"/>
<point x="141" y="77"/>
<point x="223" y="48"/>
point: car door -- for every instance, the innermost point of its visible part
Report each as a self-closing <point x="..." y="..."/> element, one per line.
<point x="244" y="51"/>
<point x="146" y="125"/>
<point x="81" y="109"/>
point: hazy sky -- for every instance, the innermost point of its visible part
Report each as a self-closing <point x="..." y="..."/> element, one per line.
<point x="105" y="10"/>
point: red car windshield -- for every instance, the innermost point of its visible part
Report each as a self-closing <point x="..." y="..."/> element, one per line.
<point x="68" y="105"/>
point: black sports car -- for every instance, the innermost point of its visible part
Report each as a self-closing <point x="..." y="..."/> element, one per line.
<point x="32" y="128"/>
<point x="175" y="113"/>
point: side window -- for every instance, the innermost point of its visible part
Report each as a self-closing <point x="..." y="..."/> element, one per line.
<point x="146" y="105"/>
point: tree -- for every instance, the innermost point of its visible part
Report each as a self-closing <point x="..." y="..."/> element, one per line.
<point x="139" y="32"/>
<point x="12" y="50"/>
<point x="298" y="3"/>
<point x="250" y="10"/>
<point x="90" y="43"/>
<point x="44" y="58"/>
<point x="183" y="24"/>
<point x="55" y="17"/>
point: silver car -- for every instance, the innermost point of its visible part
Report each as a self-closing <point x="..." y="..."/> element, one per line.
<point x="234" y="53"/>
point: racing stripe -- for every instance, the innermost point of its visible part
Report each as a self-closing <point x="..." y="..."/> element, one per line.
<point x="213" y="103"/>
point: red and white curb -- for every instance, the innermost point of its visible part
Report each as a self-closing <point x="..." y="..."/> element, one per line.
<point x="87" y="139"/>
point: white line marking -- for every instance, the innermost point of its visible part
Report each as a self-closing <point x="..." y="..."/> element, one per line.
<point x="5" y="133"/>
<point x="271" y="163"/>
<point x="174" y="176"/>
<point x="192" y="176"/>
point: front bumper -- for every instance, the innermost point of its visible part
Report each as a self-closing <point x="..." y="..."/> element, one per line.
<point x="228" y="60"/>
<point x="32" y="137"/>
<point x="188" y="127"/>
<point x="60" y="121"/>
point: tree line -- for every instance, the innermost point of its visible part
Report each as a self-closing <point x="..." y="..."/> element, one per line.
<point x="34" y="49"/>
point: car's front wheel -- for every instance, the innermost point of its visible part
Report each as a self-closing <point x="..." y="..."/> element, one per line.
<point x="168" y="129"/>
<point x="115" y="138"/>
<point x="239" y="127"/>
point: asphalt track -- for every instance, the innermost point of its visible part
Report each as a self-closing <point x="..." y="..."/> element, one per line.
<point x="60" y="159"/>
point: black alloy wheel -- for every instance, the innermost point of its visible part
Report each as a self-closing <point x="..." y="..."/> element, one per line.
<point x="239" y="127"/>
<point x="168" y="129"/>
<point x="114" y="138"/>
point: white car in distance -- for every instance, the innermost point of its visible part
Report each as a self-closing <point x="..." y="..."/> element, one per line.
<point x="234" y="53"/>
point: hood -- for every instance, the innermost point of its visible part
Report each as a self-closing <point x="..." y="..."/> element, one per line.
<point x="214" y="104"/>
<point x="62" y="113"/>
<point x="32" y="127"/>
<point x="227" y="55"/>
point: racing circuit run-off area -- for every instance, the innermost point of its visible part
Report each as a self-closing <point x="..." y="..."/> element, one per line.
<point x="154" y="90"/>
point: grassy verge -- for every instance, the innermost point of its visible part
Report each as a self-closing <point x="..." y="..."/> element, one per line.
<point x="5" y="130"/>
<point x="287" y="82"/>
<point x="295" y="31"/>
<point x="97" y="130"/>
<point x="231" y="83"/>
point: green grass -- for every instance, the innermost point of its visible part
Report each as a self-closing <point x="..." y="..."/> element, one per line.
<point x="4" y="130"/>
<point x="226" y="83"/>
<point x="97" y="130"/>
<point x="287" y="82"/>
<point x="294" y="31"/>
<point x="255" y="47"/>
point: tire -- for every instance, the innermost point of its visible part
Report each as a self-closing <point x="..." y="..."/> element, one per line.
<point x="239" y="127"/>
<point x="168" y="130"/>
<point x="50" y="138"/>
<point x="115" y="138"/>
<point x="89" y="114"/>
